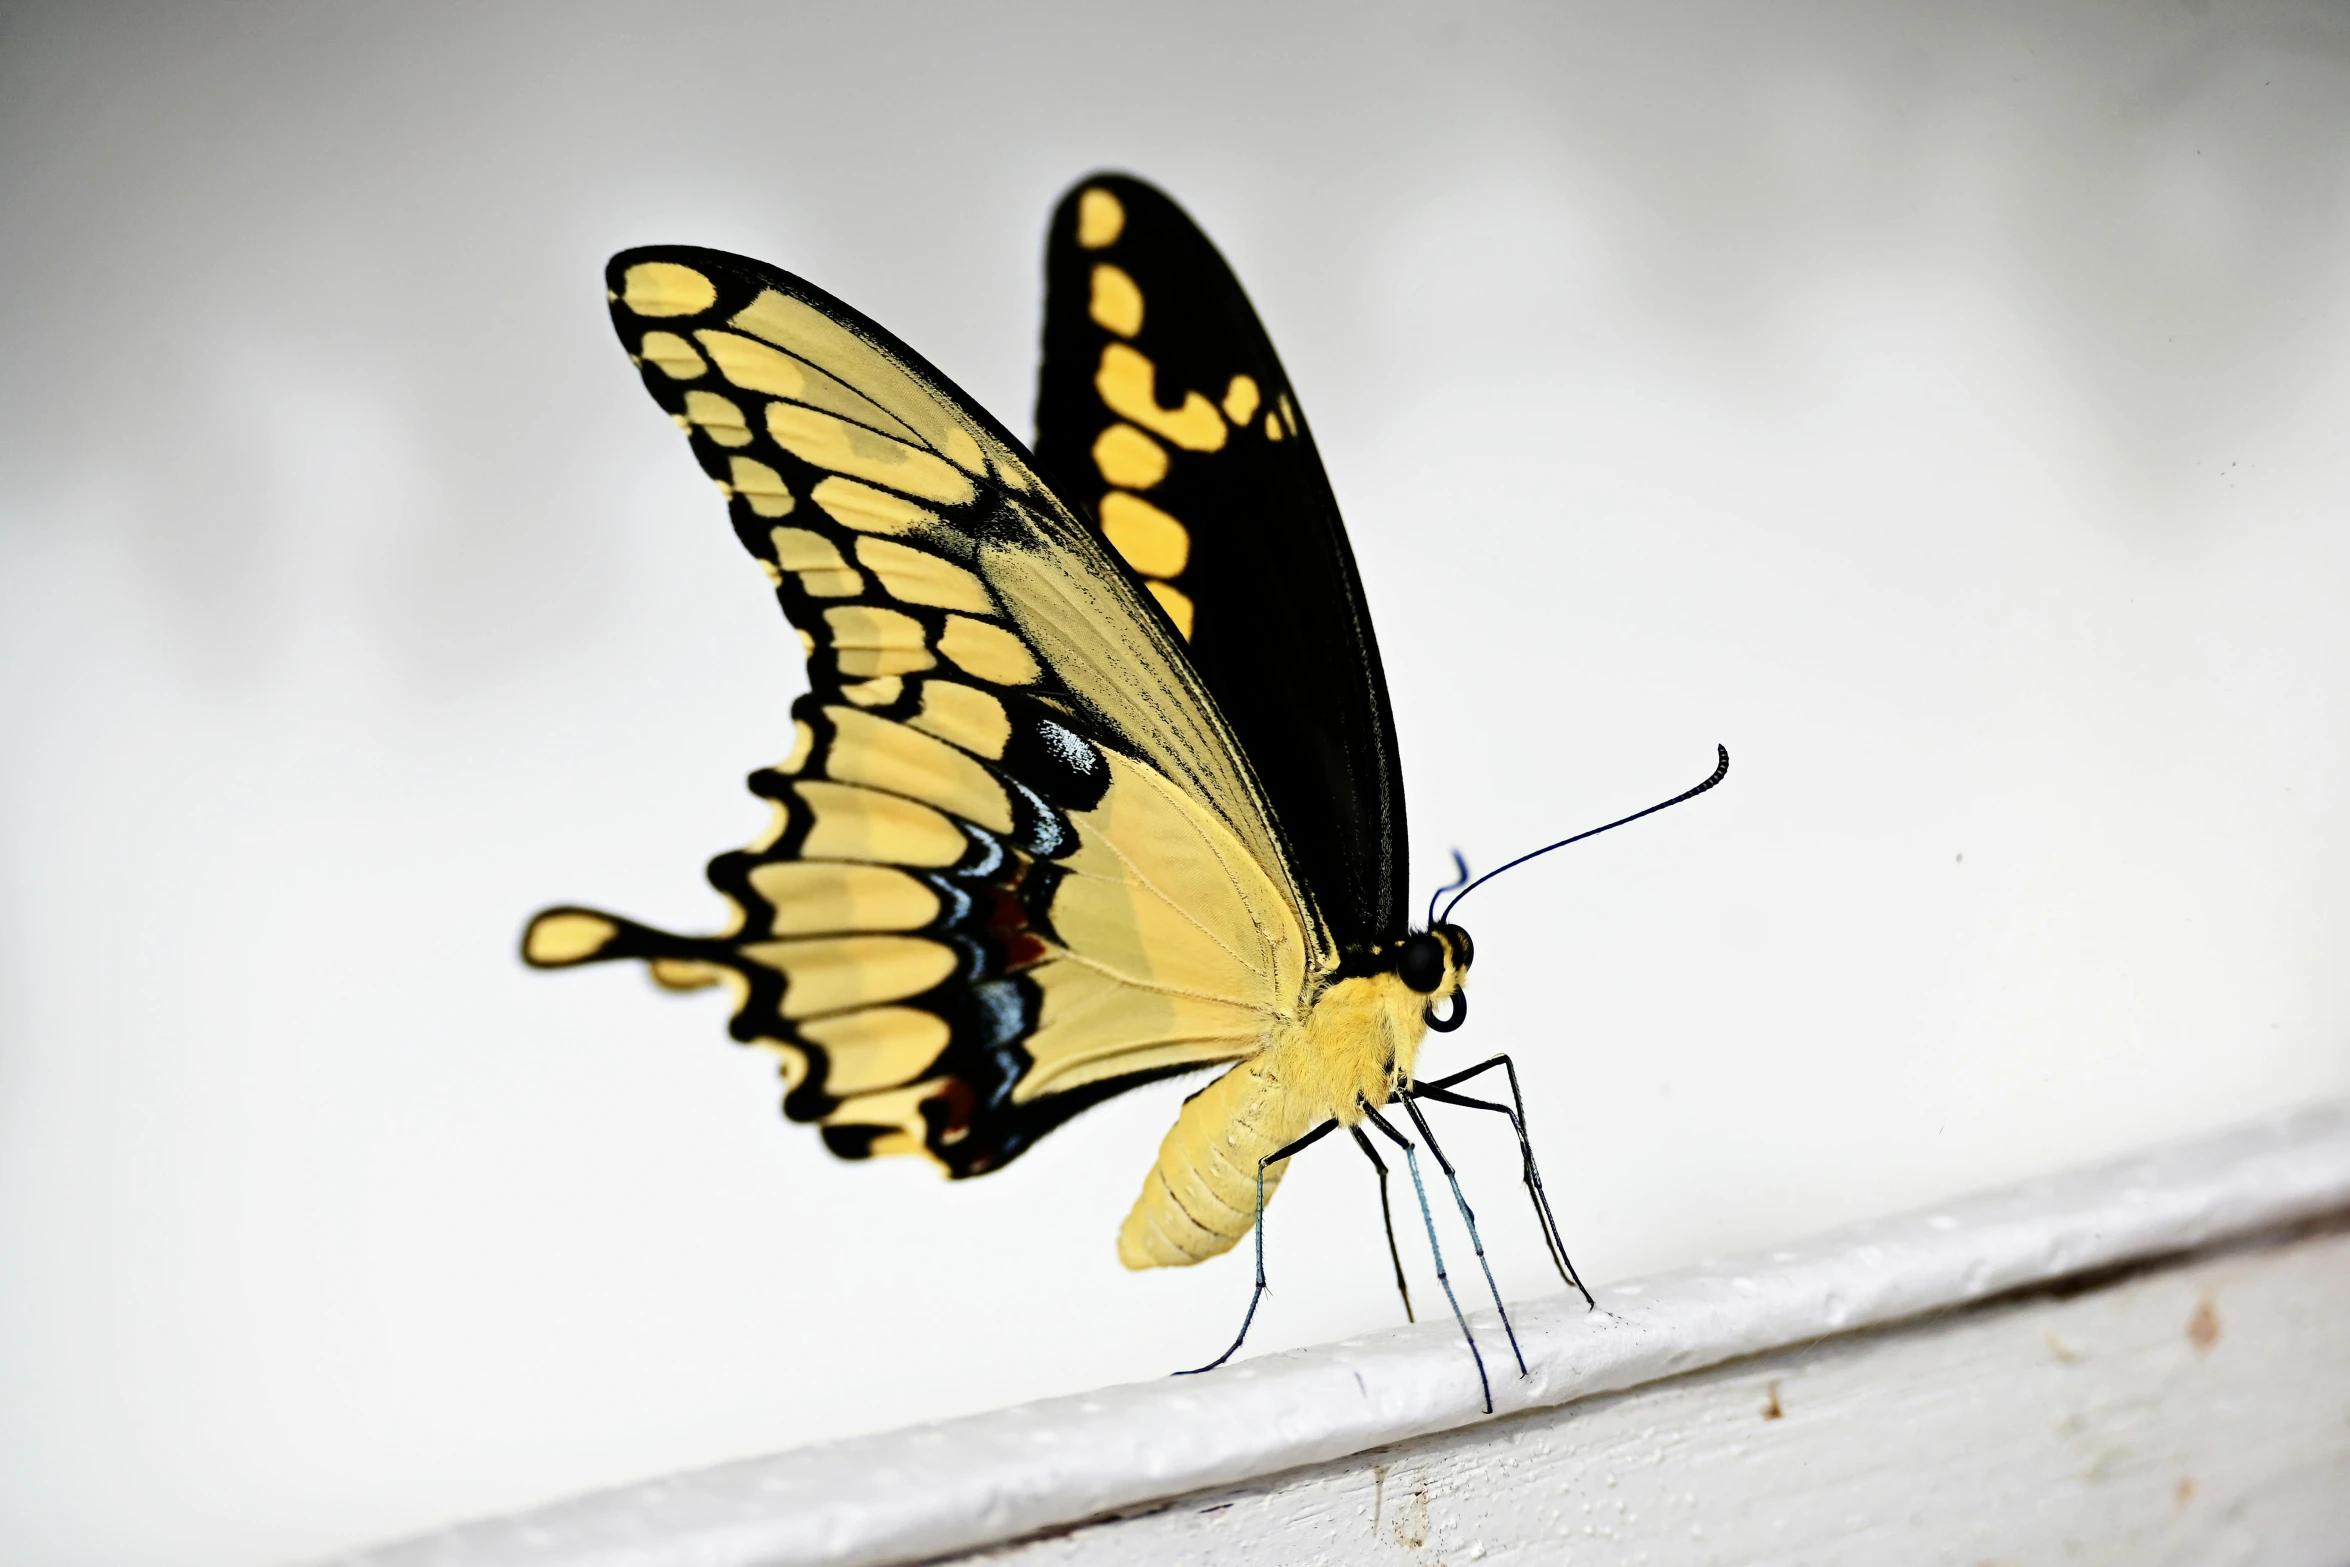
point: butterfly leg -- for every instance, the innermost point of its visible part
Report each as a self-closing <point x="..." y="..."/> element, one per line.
<point x="1533" y="1178"/>
<point x="1535" y="1191"/>
<point x="1257" y="1298"/>
<point x="1387" y="1218"/>
<point x="1412" y="1163"/>
<point x="1452" y="1178"/>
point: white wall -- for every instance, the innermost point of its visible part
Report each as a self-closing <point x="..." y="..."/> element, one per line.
<point x="1943" y="410"/>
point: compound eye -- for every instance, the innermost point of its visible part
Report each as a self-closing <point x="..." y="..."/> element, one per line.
<point x="1421" y="964"/>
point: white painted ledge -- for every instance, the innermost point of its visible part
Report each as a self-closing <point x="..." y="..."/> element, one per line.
<point x="962" y="1485"/>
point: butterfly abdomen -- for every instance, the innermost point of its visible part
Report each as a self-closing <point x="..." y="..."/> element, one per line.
<point x="1201" y="1196"/>
<point x="1357" y="1043"/>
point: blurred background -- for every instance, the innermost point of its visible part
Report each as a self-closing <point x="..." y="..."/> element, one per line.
<point x="1943" y="408"/>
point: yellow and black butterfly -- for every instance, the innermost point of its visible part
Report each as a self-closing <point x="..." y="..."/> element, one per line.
<point x="1096" y="781"/>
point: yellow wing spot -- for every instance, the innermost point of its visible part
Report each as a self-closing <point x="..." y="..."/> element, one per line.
<point x="869" y="510"/>
<point x="880" y="1047"/>
<point x="688" y="974"/>
<point x="1272" y="425"/>
<point x="1241" y="399"/>
<point x="1288" y="413"/>
<point x="832" y="974"/>
<point x="761" y="486"/>
<point x="919" y="577"/>
<point x="1128" y="383"/>
<point x="1128" y="458"/>
<point x="768" y="569"/>
<point x="1101" y="217"/>
<point x="1152" y="542"/>
<point x="876" y="693"/>
<point x="1177" y="604"/>
<point x="554" y="940"/>
<point x="824" y="897"/>
<point x="807" y="642"/>
<point x="868" y="640"/>
<point x="852" y="362"/>
<point x="800" y="549"/>
<point x="882" y="755"/>
<point x="719" y="418"/>
<point x="755" y="367"/>
<point x="803" y="740"/>
<point x="851" y="449"/>
<point x="990" y="652"/>
<point x="968" y="716"/>
<point x="790" y="1059"/>
<point x="674" y="355"/>
<point x="663" y="288"/>
<point x="1116" y="305"/>
<point x="899" y="1110"/>
<point x="821" y="570"/>
<point x="858" y="824"/>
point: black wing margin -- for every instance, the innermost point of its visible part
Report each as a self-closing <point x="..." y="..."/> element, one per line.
<point x="1163" y="412"/>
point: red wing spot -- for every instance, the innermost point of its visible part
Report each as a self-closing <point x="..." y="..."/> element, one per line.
<point x="951" y="1106"/>
<point x="1007" y="922"/>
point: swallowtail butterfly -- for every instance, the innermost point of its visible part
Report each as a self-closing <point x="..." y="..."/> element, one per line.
<point x="1096" y="779"/>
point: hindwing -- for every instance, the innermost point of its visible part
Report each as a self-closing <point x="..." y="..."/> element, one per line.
<point x="1018" y="861"/>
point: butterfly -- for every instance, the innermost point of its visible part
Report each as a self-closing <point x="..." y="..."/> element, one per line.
<point x="1096" y="780"/>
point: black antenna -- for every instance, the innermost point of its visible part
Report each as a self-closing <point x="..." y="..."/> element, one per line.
<point x="1460" y="869"/>
<point x="1720" y="772"/>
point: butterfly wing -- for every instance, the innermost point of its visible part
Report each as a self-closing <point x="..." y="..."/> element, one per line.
<point x="1018" y="862"/>
<point x="1165" y="416"/>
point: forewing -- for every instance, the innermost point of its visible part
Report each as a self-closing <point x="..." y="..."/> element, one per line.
<point x="1017" y="863"/>
<point x="1165" y="416"/>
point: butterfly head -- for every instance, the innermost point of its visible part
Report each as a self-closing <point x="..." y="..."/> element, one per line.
<point x="1434" y="962"/>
